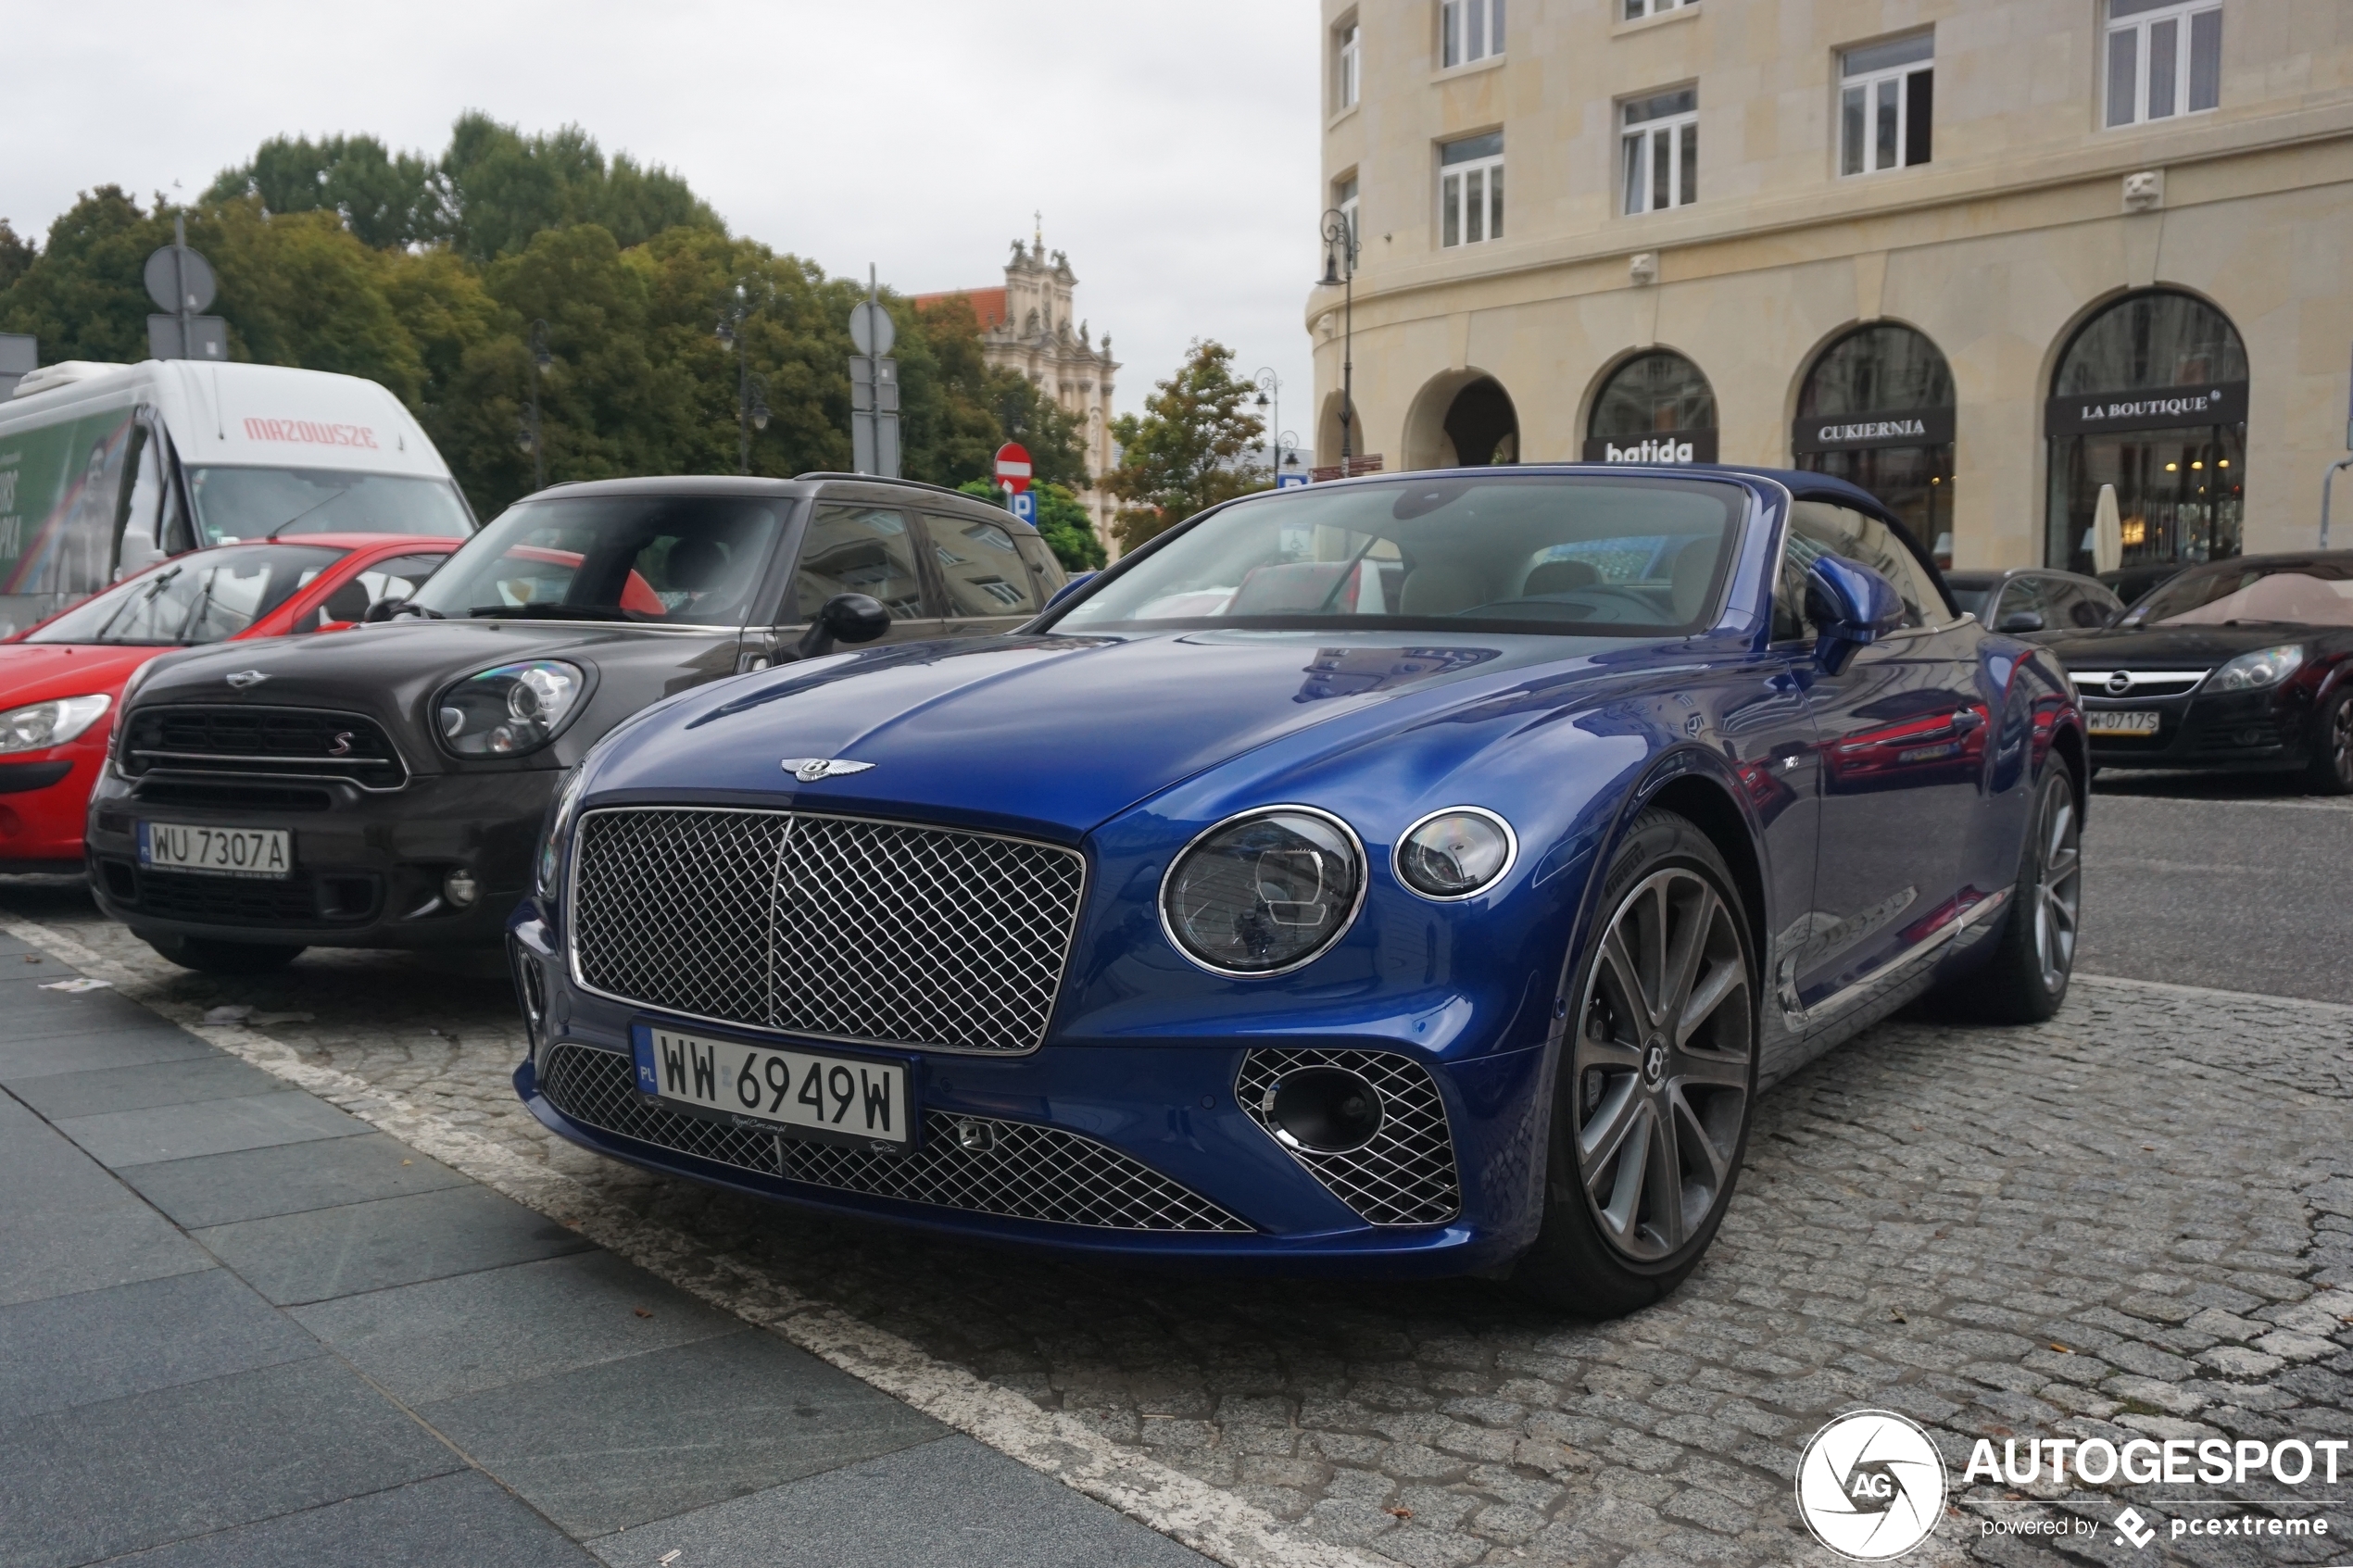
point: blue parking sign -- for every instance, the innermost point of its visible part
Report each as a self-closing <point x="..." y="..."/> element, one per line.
<point x="1289" y="480"/>
<point x="1025" y="505"/>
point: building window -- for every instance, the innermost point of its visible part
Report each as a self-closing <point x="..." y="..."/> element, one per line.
<point x="1470" y="190"/>
<point x="1885" y="105"/>
<point x="1657" y="408"/>
<point x="1637" y="9"/>
<point x="1662" y="150"/>
<point x="1470" y="30"/>
<point x="1348" y="65"/>
<point x="2164" y="58"/>
<point x="1877" y="410"/>
<point x="1344" y="199"/>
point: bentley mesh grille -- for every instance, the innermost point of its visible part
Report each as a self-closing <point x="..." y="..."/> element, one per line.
<point x="832" y="927"/>
<point x="1405" y="1175"/>
<point x="1026" y="1172"/>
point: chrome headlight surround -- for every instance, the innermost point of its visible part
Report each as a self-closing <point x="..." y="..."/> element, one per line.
<point x="37" y="726"/>
<point x="508" y="709"/>
<point x="1398" y="861"/>
<point x="549" y="871"/>
<point x="2256" y="671"/>
<point x="1172" y="885"/>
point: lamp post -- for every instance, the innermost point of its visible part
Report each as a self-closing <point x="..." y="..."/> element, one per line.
<point x="1288" y="445"/>
<point x="751" y="391"/>
<point x="540" y="358"/>
<point x="1340" y="267"/>
<point x="1270" y="386"/>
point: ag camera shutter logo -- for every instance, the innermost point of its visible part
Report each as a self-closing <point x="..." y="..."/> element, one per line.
<point x="1870" y="1485"/>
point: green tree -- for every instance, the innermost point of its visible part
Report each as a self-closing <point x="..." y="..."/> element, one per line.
<point x="386" y="200"/>
<point x="300" y="289"/>
<point x="1062" y="522"/>
<point x="499" y="187"/>
<point x="16" y="256"/>
<point x="84" y="294"/>
<point x="1189" y="450"/>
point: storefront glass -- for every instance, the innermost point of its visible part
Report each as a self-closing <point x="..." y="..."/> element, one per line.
<point x="1657" y="408"/>
<point x="2150" y="397"/>
<point x="1877" y="410"/>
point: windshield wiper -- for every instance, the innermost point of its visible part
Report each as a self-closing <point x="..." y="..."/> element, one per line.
<point x="281" y="528"/>
<point x="552" y="612"/>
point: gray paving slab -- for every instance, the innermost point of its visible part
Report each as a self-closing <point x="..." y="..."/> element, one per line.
<point x="612" y="1446"/>
<point x="153" y="1133"/>
<point x="951" y="1500"/>
<point x="100" y="1345"/>
<point x="214" y="1076"/>
<point x="40" y="1054"/>
<point x="288" y="1179"/>
<point x="35" y="1011"/>
<point x="100" y="1480"/>
<point x="322" y="1253"/>
<point x="460" y="1520"/>
<point x="452" y="1336"/>
<point x="67" y="1227"/>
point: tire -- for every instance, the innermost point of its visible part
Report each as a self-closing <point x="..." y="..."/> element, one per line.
<point x="1650" y="1120"/>
<point x="2331" y="767"/>
<point x="223" y="957"/>
<point x="2026" y="978"/>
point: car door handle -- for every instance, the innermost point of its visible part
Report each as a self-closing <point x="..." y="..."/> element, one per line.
<point x="1968" y="719"/>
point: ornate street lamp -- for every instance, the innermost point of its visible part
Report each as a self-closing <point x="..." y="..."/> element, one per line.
<point x="1270" y="387"/>
<point x="751" y="392"/>
<point x="1340" y="268"/>
<point x="531" y="442"/>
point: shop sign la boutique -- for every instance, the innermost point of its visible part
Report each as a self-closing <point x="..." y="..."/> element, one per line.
<point x="2091" y="413"/>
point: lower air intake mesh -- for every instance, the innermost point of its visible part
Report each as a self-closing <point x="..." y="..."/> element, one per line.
<point x="1405" y="1175"/>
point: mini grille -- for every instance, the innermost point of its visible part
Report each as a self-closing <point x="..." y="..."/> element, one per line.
<point x="272" y="740"/>
<point x="825" y="926"/>
<point x="1405" y="1176"/>
<point x="1026" y="1172"/>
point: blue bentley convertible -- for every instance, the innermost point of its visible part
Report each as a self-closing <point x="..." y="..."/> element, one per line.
<point x="1402" y="877"/>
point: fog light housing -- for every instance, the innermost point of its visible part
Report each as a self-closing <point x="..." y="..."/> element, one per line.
<point x="1323" y="1110"/>
<point x="461" y="888"/>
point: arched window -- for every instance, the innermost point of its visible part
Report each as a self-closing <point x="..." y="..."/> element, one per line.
<point x="1483" y="425"/>
<point x="1656" y="407"/>
<point x="1876" y="409"/>
<point x="2149" y="397"/>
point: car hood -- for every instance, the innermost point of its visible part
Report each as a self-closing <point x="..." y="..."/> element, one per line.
<point x="393" y="673"/>
<point x="2178" y="648"/>
<point x="38" y="671"/>
<point x="1056" y="734"/>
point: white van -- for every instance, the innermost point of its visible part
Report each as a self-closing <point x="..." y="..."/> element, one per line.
<point x="105" y="469"/>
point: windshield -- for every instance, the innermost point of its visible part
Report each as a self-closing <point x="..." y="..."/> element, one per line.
<point x="2310" y="593"/>
<point x="201" y="598"/>
<point x="1531" y="553"/>
<point x="679" y="559"/>
<point x="234" y="504"/>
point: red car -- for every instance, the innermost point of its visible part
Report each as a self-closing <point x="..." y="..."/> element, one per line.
<point x="61" y="681"/>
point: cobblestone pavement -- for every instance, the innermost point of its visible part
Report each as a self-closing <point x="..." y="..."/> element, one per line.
<point x="2134" y="1220"/>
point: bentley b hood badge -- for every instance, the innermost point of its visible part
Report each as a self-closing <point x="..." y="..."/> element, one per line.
<point x="809" y="770"/>
<point x="245" y="678"/>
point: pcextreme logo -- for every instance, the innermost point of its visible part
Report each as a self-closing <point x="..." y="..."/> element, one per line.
<point x="1870" y="1485"/>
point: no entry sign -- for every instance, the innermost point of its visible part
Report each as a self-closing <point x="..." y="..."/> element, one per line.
<point x="1012" y="467"/>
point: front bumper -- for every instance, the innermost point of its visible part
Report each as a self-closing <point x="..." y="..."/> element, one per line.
<point x="369" y="866"/>
<point x="2230" y="731"/>
<point x="44" y="798"/>
<point x="1147" y="1113"/>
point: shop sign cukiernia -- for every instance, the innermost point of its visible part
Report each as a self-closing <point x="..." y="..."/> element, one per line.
<point x="1905" y="427"/>
<point x="2090" y="413"/>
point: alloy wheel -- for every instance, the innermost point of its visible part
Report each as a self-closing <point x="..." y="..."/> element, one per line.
<point x="1663" y="1055"/>
<point x="2058" y="884"/>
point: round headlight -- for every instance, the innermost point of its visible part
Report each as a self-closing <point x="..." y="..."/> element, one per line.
<point x="512" y="710"/>
<point x="1265" y="892"/>
<point x="1456" y="853"/>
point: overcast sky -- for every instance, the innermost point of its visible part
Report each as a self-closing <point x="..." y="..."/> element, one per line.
<point x="1171" y="144"/>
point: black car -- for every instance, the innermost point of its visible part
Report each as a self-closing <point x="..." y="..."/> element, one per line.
<point x="385" y="787"/>
<point x="2133" y="584"/>
<point x="2242" y="664"/>
<point x="2034" y="603"/>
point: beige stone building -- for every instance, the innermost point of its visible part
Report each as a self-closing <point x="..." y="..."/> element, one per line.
<point x="1031" y="324"/>
<point x="1981" y="255"/>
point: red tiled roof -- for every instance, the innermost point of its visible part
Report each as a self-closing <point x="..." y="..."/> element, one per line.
<point x="988" y="304"/>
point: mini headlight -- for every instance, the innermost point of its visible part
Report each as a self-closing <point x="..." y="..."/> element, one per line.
<point x="551" y="848"/>
<point x="2253" y="672"/>
<point x="38" y="725"/>
<point x="510" y="710"/>
<point x="1264" y="892"/>
<point x="1456" y="853"/>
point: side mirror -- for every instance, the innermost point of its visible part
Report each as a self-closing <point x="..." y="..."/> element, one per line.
<point x="2020" y="620"/>
<point x="845" y="617"/>
<point x="1077" y="581"/>
<point x="381" y="610"/>
<point x="1852" y="604"/>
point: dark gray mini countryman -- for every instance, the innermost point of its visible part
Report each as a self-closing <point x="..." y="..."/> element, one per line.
<point x="384" y="786"/>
